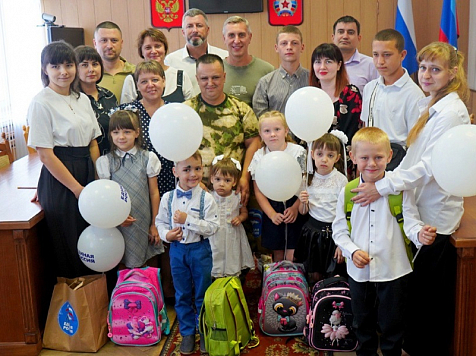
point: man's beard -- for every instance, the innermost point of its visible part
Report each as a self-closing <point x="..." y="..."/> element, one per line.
<point x="196" y="42"/>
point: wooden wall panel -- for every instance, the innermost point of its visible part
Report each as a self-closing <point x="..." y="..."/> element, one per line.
<point x="319" y="16"/>
<point x="134" y="15"/>
<point x="320" y="29"/>
<point x="267" y="40"/>
<point x="369" y="14"/>
<point x="255" y="45"/>
<point x="86" y="12"/>
<point x="69" y="12"/>
<point x="387" y="12"/>
<point x="102" y="12"/>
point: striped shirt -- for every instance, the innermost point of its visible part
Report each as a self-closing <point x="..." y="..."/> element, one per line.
<point x="274" y="89"/>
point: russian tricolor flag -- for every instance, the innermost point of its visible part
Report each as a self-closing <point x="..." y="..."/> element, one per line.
<point x="449" y="29"/>
<point x="404" y="25"/>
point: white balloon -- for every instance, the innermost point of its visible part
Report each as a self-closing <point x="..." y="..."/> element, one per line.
<point x="176" y="131"/>
<point x="453" y="161"/>
<point x="104" y="203"/>
<point x="101" y="249"/>
<point x="309" y="113"/>
<point x="278" y="176"/>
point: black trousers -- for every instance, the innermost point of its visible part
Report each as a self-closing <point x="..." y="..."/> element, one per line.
<point x="431" y="308"/>
<point x="381" y="303"/>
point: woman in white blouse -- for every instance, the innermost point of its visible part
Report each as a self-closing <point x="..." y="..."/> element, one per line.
<point x="152" y="45"/>
<point x="63" y="129"/>
<point x="441" y="75"/>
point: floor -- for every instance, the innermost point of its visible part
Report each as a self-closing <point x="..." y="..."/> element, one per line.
<point x="112" y="349"/>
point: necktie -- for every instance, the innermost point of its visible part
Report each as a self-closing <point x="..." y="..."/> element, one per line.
<point x="125" y="157"/>
<point x="187" y="194"/>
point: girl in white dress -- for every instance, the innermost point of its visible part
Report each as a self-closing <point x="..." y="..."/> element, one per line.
<point x="230" y="247"/>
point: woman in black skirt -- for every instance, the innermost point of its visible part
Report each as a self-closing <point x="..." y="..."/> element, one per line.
<point x="63" y="129"/>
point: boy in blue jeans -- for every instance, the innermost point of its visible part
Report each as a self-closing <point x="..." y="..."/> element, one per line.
<point x="187" y="217"/>
<point x="378" y="274"/>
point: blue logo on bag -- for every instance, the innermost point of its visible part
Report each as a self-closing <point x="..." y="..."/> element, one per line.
<point x="67" y="319"/>
<point x="255" y="216"/>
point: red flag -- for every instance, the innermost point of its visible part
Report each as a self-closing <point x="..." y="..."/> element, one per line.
<point x="167" y="13"/>
<point x="285" y="12"/>
<point x="449" y="29"/>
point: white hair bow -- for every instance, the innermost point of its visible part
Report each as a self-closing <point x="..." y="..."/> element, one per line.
<point x="220" y="157"/>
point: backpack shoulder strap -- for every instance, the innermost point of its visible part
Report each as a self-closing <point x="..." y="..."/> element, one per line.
<point x="139" y="95"/>
<point x="348" y="203"/>
<point x="201" y="214"/>
<point x="179" y="78"/>
<point x="395" y="203"/>
<point x="171" y="198"/>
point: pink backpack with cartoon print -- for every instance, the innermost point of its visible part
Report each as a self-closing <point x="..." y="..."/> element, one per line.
<point x="137" y="314"/>
<point x="284" y="301"/>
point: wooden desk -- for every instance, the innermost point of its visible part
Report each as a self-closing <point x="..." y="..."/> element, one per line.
<point x="24" y="289"/>
<point x="464" y="239"/>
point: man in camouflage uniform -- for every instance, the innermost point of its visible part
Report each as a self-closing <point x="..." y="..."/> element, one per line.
<point x="230" y="126"/>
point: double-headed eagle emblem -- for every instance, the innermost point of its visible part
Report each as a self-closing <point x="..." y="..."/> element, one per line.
<point x="167" y="9"/>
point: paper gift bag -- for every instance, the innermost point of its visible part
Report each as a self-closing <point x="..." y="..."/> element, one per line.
<point x="77" y="315"/>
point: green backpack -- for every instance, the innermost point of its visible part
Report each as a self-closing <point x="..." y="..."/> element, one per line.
<point x="395" y="203"/>
<point x="225" y="321"/>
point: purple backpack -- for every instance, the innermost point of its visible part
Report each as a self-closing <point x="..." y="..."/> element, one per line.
<point x="137" y="314"/>
<point x="284" y="301"/>
<point x="329" y="322"/>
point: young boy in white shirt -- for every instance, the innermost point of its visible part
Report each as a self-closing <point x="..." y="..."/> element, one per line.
<point x="379" y="267"/>
<point x="187" y="216"/>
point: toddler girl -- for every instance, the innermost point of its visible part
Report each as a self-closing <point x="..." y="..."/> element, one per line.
<point x="274" y="130"/>
<point x="230" y="247"/>
<point x="316" y="249"/>
<point x="136" y="170"/>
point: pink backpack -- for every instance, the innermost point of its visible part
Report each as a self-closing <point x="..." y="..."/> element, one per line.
<point x="284" y="301"/>
<point x="137" y="314"/>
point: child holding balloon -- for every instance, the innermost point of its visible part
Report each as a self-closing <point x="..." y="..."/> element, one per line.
<point x="230" y="247"/>
<point x="136" y="170"/>
<point x="282" y="222"/>
<point x="315" y="247"/>
<point x="441" y="74"/>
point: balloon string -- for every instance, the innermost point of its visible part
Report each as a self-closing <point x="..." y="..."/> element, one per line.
<point x="285" y="235"/>
<point x="416" y="254"/>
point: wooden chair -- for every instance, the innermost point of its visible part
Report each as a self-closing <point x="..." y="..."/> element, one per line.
<point x="6" y="155"/>
<point x="26" y="132"/>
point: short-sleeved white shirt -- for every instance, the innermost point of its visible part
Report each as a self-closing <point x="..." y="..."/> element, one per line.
<point x="59" y="120"/>
<point x="296" y="151"/>
<point x="104" y="172"/>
